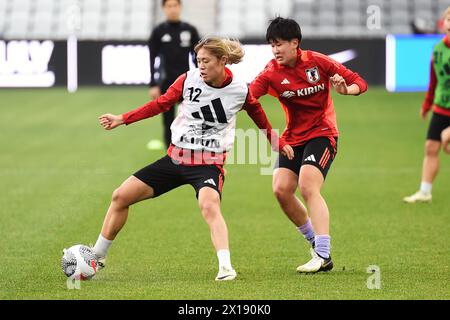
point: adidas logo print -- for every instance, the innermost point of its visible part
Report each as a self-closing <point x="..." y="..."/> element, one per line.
<point x="285" y="81"/>
<point x="207" y="114"/>
<point x="210" y="181"/>
<point x="311" y="158"/>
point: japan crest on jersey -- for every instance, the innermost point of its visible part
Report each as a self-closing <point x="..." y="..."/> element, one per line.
<point x="313" y="75"/>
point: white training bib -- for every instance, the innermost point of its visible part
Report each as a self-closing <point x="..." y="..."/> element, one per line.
<point x="206" y="117"/>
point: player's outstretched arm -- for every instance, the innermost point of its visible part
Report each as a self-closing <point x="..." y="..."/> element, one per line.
<point x="162" y="104"/>
<point x="110" y="121"/>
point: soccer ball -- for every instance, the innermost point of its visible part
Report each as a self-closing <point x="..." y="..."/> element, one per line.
<point x="79" y="262"/>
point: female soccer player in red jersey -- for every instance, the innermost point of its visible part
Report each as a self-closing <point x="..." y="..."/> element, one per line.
<point x="438" y="100"/>
<point x="201" y="134"/>
<point x="300" y="80"/>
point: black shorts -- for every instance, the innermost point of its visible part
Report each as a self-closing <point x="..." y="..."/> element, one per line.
<point x="437" y="124"/>
<point x="165" y="175"/>
<point x="318" y="152"/>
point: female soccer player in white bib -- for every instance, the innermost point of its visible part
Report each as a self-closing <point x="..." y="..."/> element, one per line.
<point x="202" y="133"/>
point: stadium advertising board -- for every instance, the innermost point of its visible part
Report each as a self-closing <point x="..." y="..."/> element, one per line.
<point x="48" y="63"/>
<point x="32" y="63"/>
<point x="408" y="61"/>
<point x="129" y="63"/>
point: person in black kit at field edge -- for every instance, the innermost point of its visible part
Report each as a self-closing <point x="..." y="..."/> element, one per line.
<point x="172" y="41"/>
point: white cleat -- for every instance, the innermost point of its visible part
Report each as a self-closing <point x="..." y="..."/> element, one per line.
<point x="226" y="274"/>
<point x="419" y="196"/>
<point x="316" y="264"/>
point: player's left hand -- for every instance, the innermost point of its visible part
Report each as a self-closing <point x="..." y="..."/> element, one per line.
<point x="288" y="152"/>
<point x="339" y="84"/>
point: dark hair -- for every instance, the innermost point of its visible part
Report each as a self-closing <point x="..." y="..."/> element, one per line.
<point x="163" y="2"/>
<point x="284" y="29"/>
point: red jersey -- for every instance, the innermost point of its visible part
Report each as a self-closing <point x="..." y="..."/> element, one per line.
<point x="304" y="94"/>
<point x="175" y="95"/>
<point x="429" y="97"/>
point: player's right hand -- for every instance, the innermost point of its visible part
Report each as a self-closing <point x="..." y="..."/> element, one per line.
<point x="154" y="92"/>
<point x="338" y="82"/>
<point x="110" y="121"/>
<point x="288" y="152"/>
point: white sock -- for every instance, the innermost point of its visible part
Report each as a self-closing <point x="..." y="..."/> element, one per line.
<point x="102" y="246"/>
<point x="425" y="187"/>
<point x="224" y="258"/>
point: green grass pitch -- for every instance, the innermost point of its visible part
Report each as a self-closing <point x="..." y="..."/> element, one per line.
<point x="58" y="168"/>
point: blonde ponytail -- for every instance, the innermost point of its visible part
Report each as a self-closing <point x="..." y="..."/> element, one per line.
<point x="221" y="47"/>
<point x="235" y="51"/>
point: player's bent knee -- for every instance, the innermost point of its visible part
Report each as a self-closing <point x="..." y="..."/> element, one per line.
<point x="282" y="192"/>
<point x="119" y="198"/>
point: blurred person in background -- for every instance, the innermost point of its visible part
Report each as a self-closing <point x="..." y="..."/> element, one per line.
<point x="437" y="99"/>
<point x="173" y="42"/>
